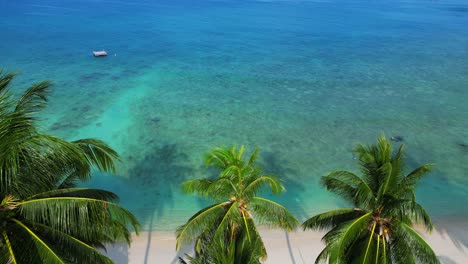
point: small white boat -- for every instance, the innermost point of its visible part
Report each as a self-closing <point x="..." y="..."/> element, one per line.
<point x="99" y="53"/>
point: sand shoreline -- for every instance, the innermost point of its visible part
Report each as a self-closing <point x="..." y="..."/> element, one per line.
<point x="449" y="240"/>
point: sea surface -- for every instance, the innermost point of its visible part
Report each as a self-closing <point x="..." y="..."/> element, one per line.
<point x="305" y="81"/>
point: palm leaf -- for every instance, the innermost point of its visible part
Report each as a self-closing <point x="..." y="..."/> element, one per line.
<point x="386" y="173"/>
<point x="231" y="172"/>
<point x="411" y="179"/>
<point x="34" y="99"/>
<point x="5" y="80"/>
<point x="47" y="255"/>
<point x="221" y="189"/>
<point x="258" y="182"/>
<point x="75" y="249"/>
<point x="229" y="219"/>
<point x="98" y="154"/>
<point x="272" y="213"/>
<point x="349" y="186"/>
<point x="199" y="222"/>
<point x="332" y="218"/>
<point x="85" y="218"/>
<point x="253" y="157"/>
<point x="350" y="232"/>
<point x="219" y="157"/>
<point x="419" y="247"/>
<point x="420" y="215"/>
<point x="371" y="236"/>
<point x="78" y="192"/>
<point x="199" y="186"/>
<point x="10" y="256"/>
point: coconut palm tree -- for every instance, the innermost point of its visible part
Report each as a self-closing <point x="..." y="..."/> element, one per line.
<point x="230" y="223"/>
<point x="44" y="216"/>
<point x="378" y="229"/>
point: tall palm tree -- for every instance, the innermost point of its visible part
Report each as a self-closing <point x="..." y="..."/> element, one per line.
<point x="378" y="229"/>
<point x="44" y="216"/>
<point x="230" y="223"/>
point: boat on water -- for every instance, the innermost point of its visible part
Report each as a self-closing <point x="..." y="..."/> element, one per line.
<point x="100" y="53"/>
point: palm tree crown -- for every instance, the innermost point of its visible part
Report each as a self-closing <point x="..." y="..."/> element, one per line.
<point x="230" y="221"/>
<point x="379" y="227"/>
<point x="44" y="216"/>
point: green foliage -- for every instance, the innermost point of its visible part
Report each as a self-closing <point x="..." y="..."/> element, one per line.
<point x="244" y="249"/>
<point x="378" y="229"/>
<point x="226" y="232"/>
<point x="44" y="217"/>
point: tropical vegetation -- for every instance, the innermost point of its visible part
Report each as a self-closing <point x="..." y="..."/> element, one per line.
<point x="44" y="216"/>
<point x="379" y="226"/>
<point x="226" y="231"/>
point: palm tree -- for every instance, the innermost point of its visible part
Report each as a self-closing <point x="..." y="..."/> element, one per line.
<point x="44" y="216"/>
<point x="379" y="227"/>
<point x="229" y="225"/>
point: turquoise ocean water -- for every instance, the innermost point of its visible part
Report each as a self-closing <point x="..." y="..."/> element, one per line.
<point x="303" y="80"/>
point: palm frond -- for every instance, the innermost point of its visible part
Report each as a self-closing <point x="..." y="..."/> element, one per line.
<point x="271" y="213"/>
<point x="420" y="249"/>
<point x="371" y="158"/>
<point x="203" y="219"/>
<point x="349" y="186"/>
<point x="238" y="154"/>
<point x="81" y="217"/>
<point x="221" y="189"/>
<point x="46" y="159"/>
<point x="398" y="163"/>
<point x="6" y="104"/>
<point x="413" y="177"/>
<point x="231" y="171"/>
<point x="34" y="99"/>
<point x="220" y="158"/>
<point x="386" y="178"/>
<point x="258" y="182"/>
<point x="199" y="186"/>
<point x="79" y="192"/>
<point x="350" y="232"/>
<point x="46" y="254"/>
<point x="250" y="251"/>
<point x="98" y="153"/>
<point x="329" y="254"/>
<point x="420" y="215"/>
<point x="7" y="256"/>
<point x="253" y="158"/>
<point x="332" y="218"/>
<point x="5" y="80"/>
<point x="231" y="217"/>
<point x="74" y="249"/>
<point x="235" y="249"/>
<point x="400" y="251"/>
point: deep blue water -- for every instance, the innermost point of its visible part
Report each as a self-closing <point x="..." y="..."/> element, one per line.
<point x="304" y="80"/>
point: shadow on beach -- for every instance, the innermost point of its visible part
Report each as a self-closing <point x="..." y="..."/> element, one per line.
<point x="455" y="230"/>
<point x="118" y="253"/>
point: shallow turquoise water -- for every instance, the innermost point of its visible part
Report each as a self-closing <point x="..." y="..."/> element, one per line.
<point x="304" y="80"/>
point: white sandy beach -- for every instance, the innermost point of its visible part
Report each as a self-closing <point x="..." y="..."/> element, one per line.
<point x="449" y="240"/>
